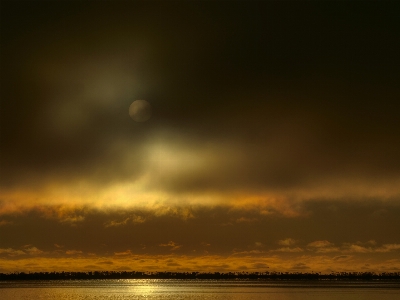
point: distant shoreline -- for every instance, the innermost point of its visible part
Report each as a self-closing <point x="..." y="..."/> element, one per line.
<point x="366" y="276"/>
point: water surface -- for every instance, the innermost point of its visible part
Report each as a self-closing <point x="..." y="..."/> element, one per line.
<point x="168" y="289"/>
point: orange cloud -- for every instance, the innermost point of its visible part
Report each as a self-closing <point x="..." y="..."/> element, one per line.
<point x="171" y="244"/>
<point x="203" y="263"/>
<point x="123" y="253"/>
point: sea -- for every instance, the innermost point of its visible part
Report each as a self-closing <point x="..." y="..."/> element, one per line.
<point x="171" y="289"/>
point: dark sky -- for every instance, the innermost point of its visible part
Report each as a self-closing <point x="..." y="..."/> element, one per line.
<point x="264" y="115"/>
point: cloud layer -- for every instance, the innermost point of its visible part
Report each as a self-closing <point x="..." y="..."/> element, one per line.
<point x="220" y="123"/>
<point x="264" y="115"/>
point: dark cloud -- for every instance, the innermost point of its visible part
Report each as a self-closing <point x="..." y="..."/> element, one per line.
<point x="279" y="120"/>
<point x="305" y="97"/>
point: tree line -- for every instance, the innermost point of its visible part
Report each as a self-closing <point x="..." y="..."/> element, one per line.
<point x="198" y="275"/>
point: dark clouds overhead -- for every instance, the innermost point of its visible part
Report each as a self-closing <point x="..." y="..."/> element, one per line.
<point x="274" y="134"/>
<point x="303" y="91"/>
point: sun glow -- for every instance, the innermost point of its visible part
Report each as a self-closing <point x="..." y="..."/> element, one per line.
<point x="144" y="287"/>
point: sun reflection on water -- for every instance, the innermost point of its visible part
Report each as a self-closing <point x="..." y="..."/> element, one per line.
<point x="144" y="288"/>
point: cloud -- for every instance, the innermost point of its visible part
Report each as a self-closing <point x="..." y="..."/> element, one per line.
<point x="138" y="219"/>
<point x="33" y="251"/>
<point x="288" y="249"/>
<point x="206" y="263"/>
<point x="27" y="250"/>
<point x="358" y="249"/>
<point x="354" y="248"/>
<point x="342" y="258"/>
<point x="388" y="248"/>
<point x="271" y="137"/>
<point x="106" y="262"/>
<point x="323" y="246"/>
<point x="320" y="244"/>
<point x="123" y="253"/>
<point x="169" y="226"/>
<point x="174" y="246"/>
<point x="114" y="223"/>
<point x="287" y="242"/>
<point x="73" y="252"/>
<point x="247" y="252"/>
<point x="12" y="252"/>
<point x="303" y="144"/>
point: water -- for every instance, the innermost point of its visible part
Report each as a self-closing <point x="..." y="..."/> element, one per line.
<point x="169" y="289"/>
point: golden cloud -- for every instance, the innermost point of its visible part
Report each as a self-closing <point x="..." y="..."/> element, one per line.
<point x="207" y="263"/>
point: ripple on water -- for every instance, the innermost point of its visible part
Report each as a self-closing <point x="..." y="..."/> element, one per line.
<point x="196" y="289"/>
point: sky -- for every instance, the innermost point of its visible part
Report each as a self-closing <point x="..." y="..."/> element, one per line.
<point x="273" y="142"/>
